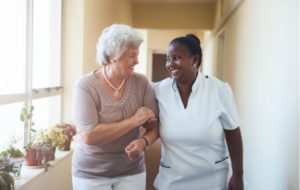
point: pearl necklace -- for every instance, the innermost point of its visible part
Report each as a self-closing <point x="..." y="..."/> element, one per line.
<point x="116" y="90"/>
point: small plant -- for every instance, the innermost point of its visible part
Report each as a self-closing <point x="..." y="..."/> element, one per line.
<point x="13" y="152"/>
<point x="68" y="130"/>
<point x="32" y="150"/>
<point x="57" y="136"/>
<point x="6" y="180"/>
<point x="14" y="156"/>
<point x="54" y="135"/>
<point x="26" y="115"/>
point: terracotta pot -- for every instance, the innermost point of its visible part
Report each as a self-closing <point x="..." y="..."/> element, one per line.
<point x="32" y="157"/>
<point x="67" y="144"/>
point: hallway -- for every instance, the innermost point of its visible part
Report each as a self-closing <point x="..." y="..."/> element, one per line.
<point x="254" y="47"/>
<point x="251" y="44"/>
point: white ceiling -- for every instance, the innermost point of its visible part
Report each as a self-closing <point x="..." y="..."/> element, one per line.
<point x="173" y="1"/>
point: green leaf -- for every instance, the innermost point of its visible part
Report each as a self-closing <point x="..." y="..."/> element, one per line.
<point x="2" y="181"/>
<point x="22" y="118"/>
<point x="32" y="130"/>
<point x="31" y="108"/>
<point x="24" y="111"/>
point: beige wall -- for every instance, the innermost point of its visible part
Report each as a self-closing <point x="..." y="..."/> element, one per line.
<point x="83" y="22"/>
<point x="72" y="54"/>
<point x="57" y="177"/>
<point x="159" y="40"/>
<point x="99" y="14"/>
<point x="173" y="16"/>
<point x="262" y="66"/>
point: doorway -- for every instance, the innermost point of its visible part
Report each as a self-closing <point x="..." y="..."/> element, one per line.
<point x="159" y="71"/>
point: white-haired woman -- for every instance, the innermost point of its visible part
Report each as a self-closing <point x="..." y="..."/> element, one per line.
<point x="109" y="106"/>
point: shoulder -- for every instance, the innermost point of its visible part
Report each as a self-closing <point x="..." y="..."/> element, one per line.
<point x="139" y="80"/>
<point x="212" y="81"/>
<point x="163" y="85"/>
<point x="85" y="81"/>
<point x="140" y="77"/>
<point x="220" y="87"/>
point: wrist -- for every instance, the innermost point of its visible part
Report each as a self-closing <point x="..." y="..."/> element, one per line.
<point x="146" y="142"/>
<point x="237" y="173"/>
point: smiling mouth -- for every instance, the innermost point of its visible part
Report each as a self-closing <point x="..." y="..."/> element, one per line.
<point x="174" y="71"/>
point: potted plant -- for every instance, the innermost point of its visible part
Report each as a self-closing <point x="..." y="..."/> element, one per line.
<point x="6" y="180"/>
<point x="26" y="115"/>
<point x="32" y="154"/>
<point x="16" y="158"/>
<point x="32" y="150"/>
<point x="68" y="130"/>
<point x="54" y="137"/>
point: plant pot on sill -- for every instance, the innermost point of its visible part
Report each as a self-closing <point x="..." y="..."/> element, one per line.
<point x="67" y="145"/>
<point x="17" y="165"/>
<point x="33" y="157"/>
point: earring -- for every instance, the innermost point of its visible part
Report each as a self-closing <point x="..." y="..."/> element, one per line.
<point x="195" y="65"/>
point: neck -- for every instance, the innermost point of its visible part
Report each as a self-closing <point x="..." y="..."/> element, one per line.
<point x="114" y="77"/>
<point x="185" y="86"/>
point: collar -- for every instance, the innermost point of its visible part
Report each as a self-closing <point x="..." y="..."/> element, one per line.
<point x="195" y="87"/>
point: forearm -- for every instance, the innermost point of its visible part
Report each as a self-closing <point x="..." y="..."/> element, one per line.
<point x="152" y="134"/>
<point x="106" y="133"/>
<point x="235" y="147"/>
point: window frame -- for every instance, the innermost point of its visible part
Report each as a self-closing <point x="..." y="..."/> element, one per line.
<point x="30" y="93"/>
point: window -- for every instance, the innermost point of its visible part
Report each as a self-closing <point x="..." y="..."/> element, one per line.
<point x="30" y="65"/>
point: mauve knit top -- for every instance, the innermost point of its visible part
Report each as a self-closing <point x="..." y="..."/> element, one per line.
<point x="91" y="106"/>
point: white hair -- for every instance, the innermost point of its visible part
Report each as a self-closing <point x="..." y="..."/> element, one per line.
<point x="114" y="40"/>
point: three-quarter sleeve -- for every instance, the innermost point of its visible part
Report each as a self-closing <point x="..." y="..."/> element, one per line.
<point x="84" y="108"/>
<point x="146" y="95"/>
<point x="150" y="100"/>
<point x="229" y="116"/>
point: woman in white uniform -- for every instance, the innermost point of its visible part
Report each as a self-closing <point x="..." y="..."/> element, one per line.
<point x="199" y="124"/>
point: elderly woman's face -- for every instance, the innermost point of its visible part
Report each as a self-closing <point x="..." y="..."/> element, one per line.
<point x="128" y="60"/>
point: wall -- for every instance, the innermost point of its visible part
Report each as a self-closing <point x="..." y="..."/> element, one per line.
<point x="173" y="16"/>
<point x="98" y="15"/>
<point x="57" y="177"/>
<point x="261" y="64"/>
<point x="83" y="22"/>
<point x="72" y="54"/>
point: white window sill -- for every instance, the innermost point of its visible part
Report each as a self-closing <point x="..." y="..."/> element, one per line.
<point x="30" y="173"/>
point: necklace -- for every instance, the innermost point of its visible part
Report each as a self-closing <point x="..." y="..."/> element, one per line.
<point x="116" y="90"/>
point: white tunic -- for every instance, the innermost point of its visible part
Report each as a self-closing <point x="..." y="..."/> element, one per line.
<point x="194" y="152"/>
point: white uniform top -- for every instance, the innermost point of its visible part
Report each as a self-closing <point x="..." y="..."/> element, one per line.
<point x="194" y="152"/>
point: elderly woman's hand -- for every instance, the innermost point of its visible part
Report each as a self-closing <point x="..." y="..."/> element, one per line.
<point x="135" y="148"/>
<point x="143" y="115"/>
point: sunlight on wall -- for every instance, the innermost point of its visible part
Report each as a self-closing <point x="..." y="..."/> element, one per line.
<point x="142" y="66"/>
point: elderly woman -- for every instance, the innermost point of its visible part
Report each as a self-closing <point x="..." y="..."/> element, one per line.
<point x="110" y="105"/>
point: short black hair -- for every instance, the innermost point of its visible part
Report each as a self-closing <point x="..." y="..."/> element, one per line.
<point x="192" y="43"/>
